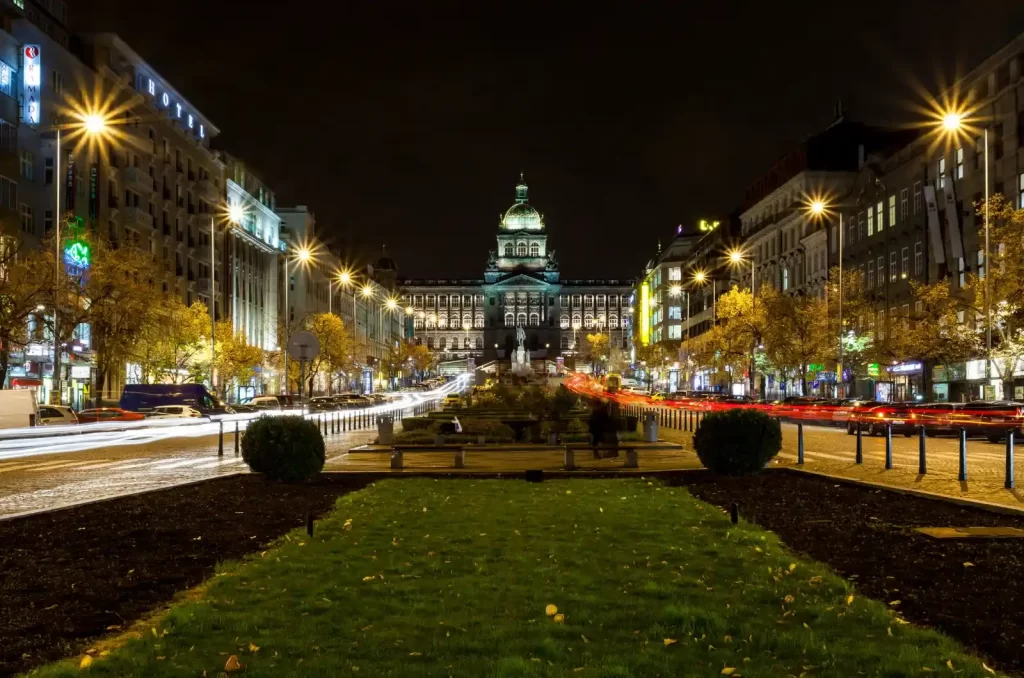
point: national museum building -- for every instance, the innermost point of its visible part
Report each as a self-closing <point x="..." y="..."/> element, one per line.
<point x="521" y="287"/>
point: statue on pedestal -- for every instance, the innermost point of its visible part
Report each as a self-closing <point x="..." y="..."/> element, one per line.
<point x="521" y="361"/>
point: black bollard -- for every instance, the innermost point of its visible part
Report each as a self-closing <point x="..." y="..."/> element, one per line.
<point x="236" y="438"/>
<point x="220" y="440"/>
<point x="734" y="512"/>
<point x="963" y="455"/>
<point x="309" y="524"/>
<point x="860" y="446"/>
<point x="1009" y="459"/>
<point x="888" y="447"/>
<point x="800" y="444"/>
<point x="922" y="460"/>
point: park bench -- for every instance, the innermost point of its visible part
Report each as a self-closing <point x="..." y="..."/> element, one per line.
<point x="398" y="453"/>
<point x="630" y="448"/>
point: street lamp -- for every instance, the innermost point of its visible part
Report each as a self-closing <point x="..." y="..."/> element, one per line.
<point x="954" y="123"/>
<point x="303" y="255"/>
<point x="736" y="258"/>
<point x="819" y="208"/>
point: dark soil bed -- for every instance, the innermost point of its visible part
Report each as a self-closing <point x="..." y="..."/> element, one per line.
<point x="867" y="536"/>
<point x="70" y="576"/>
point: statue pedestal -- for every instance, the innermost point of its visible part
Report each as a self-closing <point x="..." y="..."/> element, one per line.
<point x="521" y="363"/>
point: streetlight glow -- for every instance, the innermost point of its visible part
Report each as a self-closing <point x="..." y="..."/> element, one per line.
<point x="409" y="310"/>
<point x="94" y="123"/>
<point x="736" y="256"/>
<point x="367" y="291"/>
<point x="699" y="277"/>
<point x="817" y="207"/>
<point x="391" y="304"/>
<point x="236" y="213"/>
<point x="675" y="290"/>
<point x="304" y="254"/>
<point x="952" y="121"/>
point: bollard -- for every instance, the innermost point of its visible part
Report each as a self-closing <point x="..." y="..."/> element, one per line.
<point x="1009" y="459"/>
<point x="800" y="444"/>
<point x="734" y="512"/>
<point x="236" y="438"/>
<point x="343" y="423"/>
<point x="922" y="462"/>
<point x="220" y="440"/>
<point x="888" y="446"/>
<point x="309" y="524"/>
<point x="860" y="446"/>
<point x="963" y="455"/>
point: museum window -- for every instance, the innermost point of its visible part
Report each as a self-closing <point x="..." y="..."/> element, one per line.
<point x="521" y="249"/>
<point x="521" y="320"/>
<point x="613" y="300"/>
<point x="467" y="301"/>
<point x="478" y="321"/>
<point x="576" y="320"/>
<point x="563" y="321"/>
<point x="442" y="322"/>
<point x="509" y="320"/>
<point x="442" y="343"/>
<point x="430" y="301"/>
<point x="601" y="321"/>
<point x="588" y="300"/>
<point x="565" y="342"/>
<point x="417" y="323"/>
<point x="479" y="343"/>
<point x="430" y="342"/>
<point x="588" y="322"/>
<point x="613" y="322"/>
<point x="454" y="320"/>
<point x="430" y="323"/>
<point x="455" y="301"/>
<point x="478" y="300"/>
<point x="534" y="319"/>
<point x="576" y="300"/>
<point x="508" y="249"/>
<point x="534" y="249"/>
<point x="600" y="301"/>
<point x="918" y="257"/>
<point x="564" y="300"/>
<point x="467" y="319"/>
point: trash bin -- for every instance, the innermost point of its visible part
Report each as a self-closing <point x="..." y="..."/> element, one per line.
<point x="385" y="429"/>
<point x="650" y="427"/>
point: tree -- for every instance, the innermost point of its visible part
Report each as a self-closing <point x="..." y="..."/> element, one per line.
<point x="798" y="334"/>
<point x="744" y="321"/>
<point x="336" y="350"/>
<point x="176" y="346"/>
<point x="595" y="349"/>
<point x="409" y="357"/>
<point x="25" y="284"/>
<point x="236" y="360"/>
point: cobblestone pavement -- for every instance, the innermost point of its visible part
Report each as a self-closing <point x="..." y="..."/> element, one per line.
<point x="32" y="483"/>
<point x="831" y="451"/>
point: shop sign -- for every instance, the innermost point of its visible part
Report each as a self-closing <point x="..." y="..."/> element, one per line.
<point x="81" y="372"/>
<point x="873" y="370"/>
<point x="906" y="368"/>
<point x="975" y="369"/>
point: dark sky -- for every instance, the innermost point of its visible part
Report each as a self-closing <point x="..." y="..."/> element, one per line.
<point x="408" y="122"/>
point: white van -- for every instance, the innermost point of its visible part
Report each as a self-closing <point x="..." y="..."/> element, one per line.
<point x="18" y="408"/>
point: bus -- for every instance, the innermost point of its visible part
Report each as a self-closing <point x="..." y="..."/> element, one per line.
<point x="144" y="397"/>
<point x="612" y="383"/>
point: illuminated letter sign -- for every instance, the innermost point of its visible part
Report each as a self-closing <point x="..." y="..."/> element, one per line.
<point x="77" y="254"/>
<point x="178" y="109"/>
<point x="190" y="121"/>
<point x="202" y="132"/>
<point x="151" y="86"/>
<point x="706" y="225"/>
<point x="645" y="314"/>
<point x="32" y="79"/>
<point x="166" y="100"/>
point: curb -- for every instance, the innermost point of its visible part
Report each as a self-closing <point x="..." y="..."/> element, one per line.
<point x="925" y="494"/>
<point x="87" y="502"/>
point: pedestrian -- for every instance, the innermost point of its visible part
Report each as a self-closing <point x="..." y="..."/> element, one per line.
<point x="598" y="425"/>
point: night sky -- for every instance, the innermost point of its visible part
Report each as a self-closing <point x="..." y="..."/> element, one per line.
<point x="407" y="123"/>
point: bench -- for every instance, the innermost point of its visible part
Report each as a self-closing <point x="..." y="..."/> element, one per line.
<point x="631" y="449"/>
<point x="398" y="453"/>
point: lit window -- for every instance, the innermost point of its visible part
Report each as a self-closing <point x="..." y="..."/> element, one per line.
<point x="959" y="170"/>
<point x="960" y="271"/>
<point x="1020" y="186"/>
<point x="892" y="210"/>
<point x="904" y="261"/>
<point x="918" y="257"/>
<point x="521" y="249"/>
<point x="941" y="182"/>
<point x="675" y="332"/>
<point x="534" y="249"/>
<point x="892" y="266"/>
<point x="563" y="321"/>
<point x="871" y="221"/>
<point x="675" y="273"/>
<point x="880" y="270"/>
<point x="904" y="205"/>
<point x="534" y="319"/>
<point x="509" y="249"/>
<point x="981" y="264"/>
<point x="785" y="278"/>
<point x="917" y="197"/>
<point x="588" y="322"/>
<point x="881" y="218"/>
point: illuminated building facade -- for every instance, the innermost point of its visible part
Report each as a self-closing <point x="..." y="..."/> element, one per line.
<point x="521" y="287"/>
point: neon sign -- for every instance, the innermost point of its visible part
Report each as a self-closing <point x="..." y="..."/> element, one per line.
<point x="176" y="110"/>
<point x="78" y="254"/>
<point x="31" y="80"/>
<point x="707" y="226"/>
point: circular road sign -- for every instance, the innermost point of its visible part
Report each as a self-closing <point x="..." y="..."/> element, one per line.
<point x="303" y="345"/>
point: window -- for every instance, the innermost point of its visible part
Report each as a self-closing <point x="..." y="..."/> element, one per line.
<point x="47" y="221"/>
<point x="892" y="210"/>
<point x="57" y="81"/>
<point x="48" y="171"/>
<point x="785" y="278"/>
<point x="520" y="320"/>
<point x="565" y="342"/>
<point x="534" y="249"/>
<point x="1020" y="188"/>
<point x="918" y="257"/>
<point x="478" y="321"/>
<point x="904" y="205"/>
<point x="563" y="321"/>
<point x="904" y="262"/>
<point x="960" y="271"/>
<point x="917" y="197"/>
<point x="881" y="324"/>
<point x="8" y="193"/>
<point x="577" y="321"/>
<point x="588" y="300"/>
<point x="675" y="332"/>
<point x="892" y="266"/>
<point x="675" y="273"/>
<point x="430" y="342"/>
<point x="675" y="312"/>
<point x="880" y="270"/>
<point x="26" y="218"/>
<point x="508" y="249"/>
<point x="479" y="343"/>
<point x="26" y="165"/>
<point x="510" y="320"/>
<point x="871" y="275"/>
<point x="941" y="174"/>
<point x="979" y="151"/>
<point x="981" y="263"/>
<point x="442" y="343"/>
<point x="613" y="322"/>
<point x="521" y="249"/>
<point x="881" y="219"/>
<point x="534" y="319"/>
<point x="958" y="171"/>
<point x="871" y="221"/>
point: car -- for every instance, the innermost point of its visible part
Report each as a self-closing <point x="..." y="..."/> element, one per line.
<point x="56" y="415"/>
<point x="244" y="409"/>
<point x="990" y="419"/>
<point x="936" y="417"/>
<point x="853" y="412"/>
<point x="658" y="397"/>
<point x="452" y="400"/>
<point x="323" y="404"/>
<point x="845" y="407"/>
<point x="174" y="412"/>
<point x="353" y="401"/>
<point x="895" y="415"/>
<point x="18" y="408"/>
<point x="146" y="397"/>
<point x="104" y="414"/>
<point x="266" y="403"/>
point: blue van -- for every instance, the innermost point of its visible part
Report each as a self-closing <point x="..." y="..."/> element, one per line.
<point x="144" y="397"/>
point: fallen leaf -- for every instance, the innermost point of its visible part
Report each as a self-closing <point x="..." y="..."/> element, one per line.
<point x="669" y="641"/>
<point x="600" y="509"/>
<point x="154" y="631"/>
<point x="894" y="603"/>
<point x="789" y="599"/>
<point x="814" y="581"/>
<point x="949" y="664"/>
<point x="986" y="667"/>
<point x="551" y="610"/>
<point x="559" y="618"/>
<point x="889" y="630"/>
<point x="792" y="566"/>
<point x="232" y="664"/>
<point x="85" y="663"/>
<point x="727" y="671"/>
<point x="370" y="578"/>
<point x="424" y="509"/>
<point x="849" y="599"/>
<point x="254" y="648"/>
<point x="968" y="564"/>
<point x="415" y="654"/>
<point x="585" y="639"/>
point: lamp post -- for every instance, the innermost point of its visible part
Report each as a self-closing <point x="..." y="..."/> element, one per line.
<point x="303" y="255"/>
<point x="818" y="208"/>
<point x="736" y="258"/>
<point x="367" y="292"/>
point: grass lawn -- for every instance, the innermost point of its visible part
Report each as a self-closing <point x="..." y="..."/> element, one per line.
<point x="418" y="577"/>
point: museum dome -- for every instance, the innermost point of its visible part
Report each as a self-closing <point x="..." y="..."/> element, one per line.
<point x="521" y="216"/>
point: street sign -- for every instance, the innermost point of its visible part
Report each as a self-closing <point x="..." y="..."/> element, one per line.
<point x="303" y="346"/>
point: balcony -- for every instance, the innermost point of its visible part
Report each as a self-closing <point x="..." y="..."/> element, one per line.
<point x="207" y="190"/>
<point x="138" y="180"/>
<point x="133" y="216"/>
<point x="203" y="284"/>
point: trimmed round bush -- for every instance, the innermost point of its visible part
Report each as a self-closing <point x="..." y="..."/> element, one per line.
<point x="284" y="448"/>
<point x="737" y="442"/>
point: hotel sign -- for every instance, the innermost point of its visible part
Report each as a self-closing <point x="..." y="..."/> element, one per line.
<point x="165" y="100"/>
<point x="31" y="82"/>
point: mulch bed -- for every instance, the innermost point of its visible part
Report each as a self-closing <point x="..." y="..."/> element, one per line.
<point x="867" y="536"/>
<point x="71" y="576"/>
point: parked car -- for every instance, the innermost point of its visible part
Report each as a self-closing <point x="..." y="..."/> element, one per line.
<point x="56" y="415"/>
<point x="18" y="408"/>
<point x="990" y="419"/>
<point x="353" y="400"/>
<point x="659" y="397"/>
<point x="323" y="404"/>
<point x="845" y="409"/>
<point x="936" y="417"/>
<point x="174" y="412"/>
<point x="452" y="400"/>
<point x="874" y="420"/>
<point x="104" y="414"/>
<point x="146" y="397"/>
<point x="266" y="403"/>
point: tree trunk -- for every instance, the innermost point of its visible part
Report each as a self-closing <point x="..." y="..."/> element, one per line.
<point x="101" y="380"/>
<point x="5" y="358"/>
<point x="803" y="379"/>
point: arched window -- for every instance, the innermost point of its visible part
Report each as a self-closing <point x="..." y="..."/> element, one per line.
<point x="479" y="321"/>
<point x="521" y="249"/>
<point x="455" y="343"/>
<point x="613" y="322"/>
<point x="565" y="342"/>
<point x="479" y="343"/>
<point x="431" y="321"/>
<point x="534" y="319"/>
<point x="508" y="249"/>
<point x="467" y="320"/>
<point x="466" y="342"/>
<point x="417" y="323"/>
<point x="601" y="322"/>
<point x="453" y="321"/>
<point x="442" y="342"/>
<point x="430" y="343"/>
<point x="576" y="323"/>
<point x="534" y="249"/>
<point x="563" y="321"/>
<point x="625" y="320"/>
<point x="521" y="320"/>
<point x="509" y="320"/>
<point x="442" y="322"/>
<point x="588" y="321"/>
